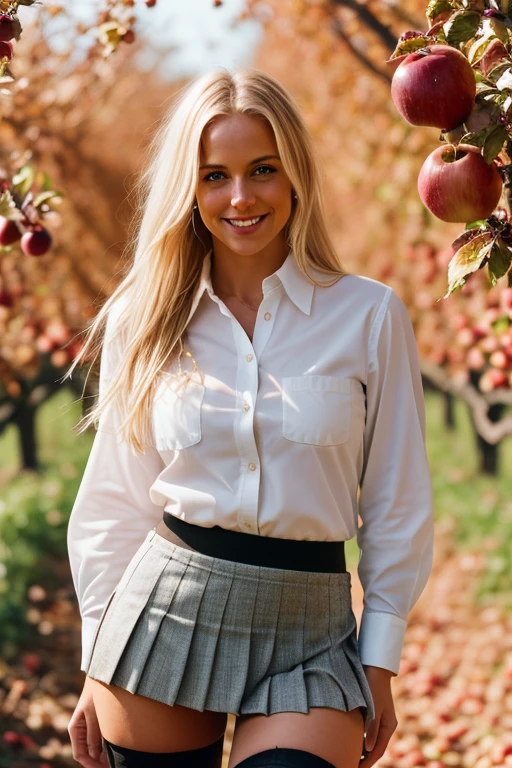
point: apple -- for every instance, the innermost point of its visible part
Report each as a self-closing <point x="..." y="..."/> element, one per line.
<point x="499" y="359"/>
<point x="37" y="242"/>
<point x="457" y="185"/>
<point x="434" y="86"/>
<point x="9" y="232"/>
<point x="5" y="50"/>
<point x="6" y="28"/>
<point x="5" y="299"/>
<point x="45" y="344"/>
<point x="31" y="662"/>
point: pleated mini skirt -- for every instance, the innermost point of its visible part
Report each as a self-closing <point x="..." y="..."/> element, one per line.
<point x="185" y="628"/>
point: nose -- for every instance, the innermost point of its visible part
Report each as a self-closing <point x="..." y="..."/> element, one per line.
<point x="241" y="196"/>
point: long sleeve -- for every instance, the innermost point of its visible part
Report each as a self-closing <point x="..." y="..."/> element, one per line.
<point x="111" y="515"/>
<point x="395" y="503"/>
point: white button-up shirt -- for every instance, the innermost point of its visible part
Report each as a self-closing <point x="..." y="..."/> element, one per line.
<point x="319" y="418"/>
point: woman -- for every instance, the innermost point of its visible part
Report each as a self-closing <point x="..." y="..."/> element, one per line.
<point x="250" y="388"/>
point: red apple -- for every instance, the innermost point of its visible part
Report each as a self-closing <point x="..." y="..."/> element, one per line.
<point x="9" y="232"/>
<point x="434" y="86"/>
<point x="37" y="242"/>
<point x="5" y="299"/>
<point x="6" y="28"/>
<point x="45" y="344"/>
<point x="31" y="662"/>
<point x="457" y="185"/>
<point x="5" y="50"/>
<point x="12" y="738"/>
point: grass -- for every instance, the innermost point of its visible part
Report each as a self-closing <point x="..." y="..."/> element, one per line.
<point x="479" y="506"/>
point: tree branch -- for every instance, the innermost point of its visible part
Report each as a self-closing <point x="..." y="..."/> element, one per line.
<point x="338" y="29"/>
<point x="479" y="402"/>
<point x="388" y="38"/>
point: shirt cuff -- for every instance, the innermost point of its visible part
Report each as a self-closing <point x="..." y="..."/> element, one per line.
<point x="381" y="639"/>
<point x="88" y="629"/>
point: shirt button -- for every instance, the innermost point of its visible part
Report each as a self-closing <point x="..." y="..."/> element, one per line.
<point x="249" y="357"/>
<point x="246" y="407"/>
<point x="252" y="466"/>
<point x="267" y="315"/>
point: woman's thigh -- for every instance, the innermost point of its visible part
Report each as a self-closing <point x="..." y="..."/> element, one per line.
<point x="137" y="722"/>
<point x="334" y="735"/>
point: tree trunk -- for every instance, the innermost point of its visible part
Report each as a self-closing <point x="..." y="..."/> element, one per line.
<point x="25" y="421"/>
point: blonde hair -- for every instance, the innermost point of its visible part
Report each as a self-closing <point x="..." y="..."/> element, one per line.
<point x="144" y="319"/>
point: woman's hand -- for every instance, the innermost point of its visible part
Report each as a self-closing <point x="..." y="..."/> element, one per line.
<point x="84" y="731"/>
<point x="382" y="727"/>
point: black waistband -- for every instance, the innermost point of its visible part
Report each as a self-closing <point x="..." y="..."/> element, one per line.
<point x="298" y="555"/>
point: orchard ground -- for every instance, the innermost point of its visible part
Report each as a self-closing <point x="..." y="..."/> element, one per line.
<point x="453" y="693"/>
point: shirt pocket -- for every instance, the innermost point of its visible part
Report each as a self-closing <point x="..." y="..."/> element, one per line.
<point x="176" y="413"/>
<point x="317" y="409"/>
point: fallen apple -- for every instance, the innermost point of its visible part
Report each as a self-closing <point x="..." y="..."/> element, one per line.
<point x="457" y="185"/>
<point x="434" y="86"/>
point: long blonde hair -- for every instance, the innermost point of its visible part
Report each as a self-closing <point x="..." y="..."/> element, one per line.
<point x="142" y="323"/>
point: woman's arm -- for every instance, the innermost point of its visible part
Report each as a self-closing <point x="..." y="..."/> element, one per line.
<point x="112" y="512"/>
<point x="395" y="503"/>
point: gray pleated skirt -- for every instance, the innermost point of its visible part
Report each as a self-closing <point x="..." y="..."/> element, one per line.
<point x="185" y="628"/>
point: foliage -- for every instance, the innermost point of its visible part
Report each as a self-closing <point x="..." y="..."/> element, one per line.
<point x="34" y="513"/>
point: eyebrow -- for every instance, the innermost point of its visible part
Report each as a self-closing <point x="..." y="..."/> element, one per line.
<point x="253" y="162"/>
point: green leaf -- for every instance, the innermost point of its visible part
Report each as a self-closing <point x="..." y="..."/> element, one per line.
<point x="23" y="180"/>
<point x="498" y="27"/>
<point x="43" y="197"/>
<point x="411" y="45"/>
<point x="475" y="139"/>
<point x="476" y="224"/>
<point x="461" y="26"/>
<point x="499" y="260"/>
<point x="16" y="27"/>
<point x="493" y="144"/>
<point x="505" y="79"/>
<point x="436" y="7"/>
<point x="501" y="324"/>
<point x="498" y="70"/>
<point x="8" y="207"/>
<point x="469" y="258"/>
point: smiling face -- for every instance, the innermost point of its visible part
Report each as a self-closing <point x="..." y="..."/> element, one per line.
<point x="244" y="180"/>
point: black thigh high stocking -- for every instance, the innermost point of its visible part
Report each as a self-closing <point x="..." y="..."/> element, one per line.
<point x="284" y="758"/>
<point x="205" y="757"/>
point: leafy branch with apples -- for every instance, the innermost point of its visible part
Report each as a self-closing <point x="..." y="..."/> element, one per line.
<point x="457" y="76"/>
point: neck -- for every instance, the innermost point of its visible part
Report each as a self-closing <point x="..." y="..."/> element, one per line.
<point x="242" y="276"/>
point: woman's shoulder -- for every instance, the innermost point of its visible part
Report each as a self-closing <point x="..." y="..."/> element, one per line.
<point x="360" y="291"/>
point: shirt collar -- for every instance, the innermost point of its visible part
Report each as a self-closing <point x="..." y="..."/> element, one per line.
<point x="297" y="286"/>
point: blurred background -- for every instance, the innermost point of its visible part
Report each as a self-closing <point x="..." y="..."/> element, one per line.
<point x="81" y="94"/>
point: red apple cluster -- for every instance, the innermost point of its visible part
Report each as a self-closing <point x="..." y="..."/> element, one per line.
<point x="435" y="86"/>
<point x="34" y="241"/>
<point x="7" y="33"/>
<point x="469" y="331"/>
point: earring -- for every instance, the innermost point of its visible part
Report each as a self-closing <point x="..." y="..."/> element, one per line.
<point x="295" y="197"/>
<point x="194" y="207"/>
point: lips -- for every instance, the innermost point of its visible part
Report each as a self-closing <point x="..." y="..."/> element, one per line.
<point x="247" y="228"/>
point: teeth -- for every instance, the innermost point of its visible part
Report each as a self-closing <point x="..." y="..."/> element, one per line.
<point x="245" y="223"/>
